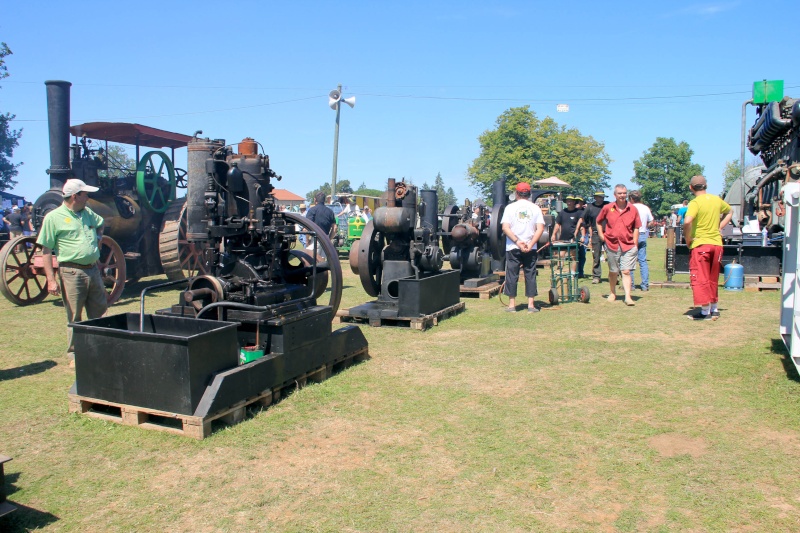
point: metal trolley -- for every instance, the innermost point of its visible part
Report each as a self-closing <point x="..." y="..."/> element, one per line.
<point x="563" y="281"/>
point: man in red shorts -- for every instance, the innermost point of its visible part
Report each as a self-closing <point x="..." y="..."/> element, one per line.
<point x="705" y="217"/>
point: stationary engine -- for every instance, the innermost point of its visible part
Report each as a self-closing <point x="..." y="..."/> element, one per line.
<point x="399" y="260"/>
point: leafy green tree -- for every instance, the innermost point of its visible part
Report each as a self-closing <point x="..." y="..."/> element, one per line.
<point x="524" y="148"/>
<point x="731" y="172"/>
<point x="663" y="174"/>
<point x="366" y="191"/>
<point x="119" y="162"/>
<point x="9" y="139"/>
<point x="342" y="187"/>
<point x="444" y="196"/>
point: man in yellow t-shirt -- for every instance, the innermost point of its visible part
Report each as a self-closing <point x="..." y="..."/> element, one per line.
<point x="705" y="217"/>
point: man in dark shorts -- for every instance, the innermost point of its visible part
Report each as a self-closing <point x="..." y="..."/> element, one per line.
<point x="589" y="222"/>
<point x="566" y="228"/>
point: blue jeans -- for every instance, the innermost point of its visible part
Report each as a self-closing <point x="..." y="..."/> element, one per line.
<point x="642" y="255"/>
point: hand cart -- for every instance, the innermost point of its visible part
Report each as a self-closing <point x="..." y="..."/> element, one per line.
<point x="563" y="278"/>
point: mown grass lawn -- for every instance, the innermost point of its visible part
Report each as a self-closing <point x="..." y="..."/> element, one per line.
<point x="583" y="417"/>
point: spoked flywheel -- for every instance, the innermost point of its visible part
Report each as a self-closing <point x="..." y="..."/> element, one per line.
<point x="370" y="268"/>
<point x="155" y="181"/>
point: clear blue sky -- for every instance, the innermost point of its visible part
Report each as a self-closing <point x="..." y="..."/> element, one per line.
<point x="429" y="77"/>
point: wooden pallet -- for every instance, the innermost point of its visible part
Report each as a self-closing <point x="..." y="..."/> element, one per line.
<point x="201" y="427"/>
<point x="762" y="283"/>
<point x="483" y="292"/>
<point x="420" y="323"/>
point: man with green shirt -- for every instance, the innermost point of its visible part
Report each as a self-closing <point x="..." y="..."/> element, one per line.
<point x="73" y="232"/>
<point x="705" y="217"/>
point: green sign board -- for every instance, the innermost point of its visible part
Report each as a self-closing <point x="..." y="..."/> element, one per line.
<point x="767" y="91"/>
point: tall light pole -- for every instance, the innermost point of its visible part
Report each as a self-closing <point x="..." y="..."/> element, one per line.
<point x="334" y="99"/>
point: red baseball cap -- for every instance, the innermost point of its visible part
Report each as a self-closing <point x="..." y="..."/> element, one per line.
<point x="523" y="187"/>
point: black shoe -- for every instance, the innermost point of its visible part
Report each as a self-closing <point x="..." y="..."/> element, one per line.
<point x="700" y="316"/>
<point x="714" y="315"/>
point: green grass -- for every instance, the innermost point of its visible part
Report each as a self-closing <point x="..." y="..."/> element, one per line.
<point x="583" y="417"/>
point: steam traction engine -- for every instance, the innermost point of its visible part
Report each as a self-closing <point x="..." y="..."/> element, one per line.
<point x="144" y="222"/>
<point x="399" y="261"/>
<point x="256" y="282"/>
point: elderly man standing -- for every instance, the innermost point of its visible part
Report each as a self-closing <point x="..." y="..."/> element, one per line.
<point x="647" y="219"/>
<point x="523" y="224"/>
<point x="73" y="232"/>
<point x="620" y="236"/>
<point x="705" y="217"/>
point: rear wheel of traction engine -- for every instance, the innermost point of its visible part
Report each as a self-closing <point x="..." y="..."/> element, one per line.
<point x="584" y="295"/>
<point x="112" y="268"/>
<point x="329" y="265"/>
<point x="180" y="259"/>
<point x="22" y="283"/>
<point x="552" y="296"/>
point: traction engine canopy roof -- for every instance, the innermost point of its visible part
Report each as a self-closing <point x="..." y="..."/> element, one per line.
<point x="127" y="133"/>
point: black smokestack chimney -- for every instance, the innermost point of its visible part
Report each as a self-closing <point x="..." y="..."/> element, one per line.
<point x="58" y="124"/>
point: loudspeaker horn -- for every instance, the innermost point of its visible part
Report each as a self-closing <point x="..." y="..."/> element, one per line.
<point x="333" y="98"/>
<point x="350" y="101"/>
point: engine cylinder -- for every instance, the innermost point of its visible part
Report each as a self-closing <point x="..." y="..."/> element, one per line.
<point x="199" y="151"/>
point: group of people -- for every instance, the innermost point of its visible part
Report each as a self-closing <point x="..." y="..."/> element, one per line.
<point x="620" y="229"/>
<point x="73" y="232"/>
<point x="18" y="221"/>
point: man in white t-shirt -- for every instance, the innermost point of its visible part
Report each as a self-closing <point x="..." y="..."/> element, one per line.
<point x="646" y="217"/>
<point x="523" y="224"/>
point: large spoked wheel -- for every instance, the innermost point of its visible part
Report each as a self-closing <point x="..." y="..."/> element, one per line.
<point x="370" y="268"/>
<point x="155" y="181"/>
<point x="497" y="239"/>
<point x="22" y="282"/>
<point x="180" y="258"/>
<point x="180" y="179"/>
<point x="449" y="220"/>
<point x="112" y="268"/>
<point x="329" y="263"/>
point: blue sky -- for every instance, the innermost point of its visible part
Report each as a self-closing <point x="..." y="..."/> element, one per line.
<point x="429" y="77"/>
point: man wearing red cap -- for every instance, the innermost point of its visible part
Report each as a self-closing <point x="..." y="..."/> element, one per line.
<point x="523" y="224"/>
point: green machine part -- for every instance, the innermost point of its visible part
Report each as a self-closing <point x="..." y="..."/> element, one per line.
<point x="355" y="226"/>
<point x="154" y="167"/>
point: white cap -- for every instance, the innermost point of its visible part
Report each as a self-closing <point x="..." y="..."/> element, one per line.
<point x="74" y="186"/>
<point x="15" y="208"/>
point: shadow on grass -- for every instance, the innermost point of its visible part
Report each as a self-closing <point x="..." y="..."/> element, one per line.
<point x="26" y="370"/>
<point x="779" y="348"/>
<point x="26" y="519"/>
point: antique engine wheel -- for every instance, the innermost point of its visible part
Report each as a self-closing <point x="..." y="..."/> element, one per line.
<point x="180" y="258"/>
<point x="370" y="268"/>
<point x="22" y="282"/>
<point x="331" y="265"/>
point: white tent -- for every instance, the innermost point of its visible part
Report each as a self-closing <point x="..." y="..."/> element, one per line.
<point x="552" y="181"/>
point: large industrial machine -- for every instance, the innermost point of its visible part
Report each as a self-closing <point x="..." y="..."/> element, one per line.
<point x="399" y="261"/>
<point x="756" y="243"/>
<point x="144" y="221"/>
<point x="473" y="239"/>
<point x="258" y="294"/>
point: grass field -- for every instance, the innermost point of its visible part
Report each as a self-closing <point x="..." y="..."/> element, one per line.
<point x="584" y="417"/>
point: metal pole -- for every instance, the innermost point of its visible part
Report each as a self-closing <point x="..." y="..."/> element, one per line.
<point x="741" y="161"/>
<point x="336" y="146"/>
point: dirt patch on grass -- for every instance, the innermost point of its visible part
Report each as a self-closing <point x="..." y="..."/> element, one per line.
<point x="675" y="444"/>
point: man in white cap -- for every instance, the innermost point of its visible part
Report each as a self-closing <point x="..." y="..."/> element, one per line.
<point x="74" y="231"/>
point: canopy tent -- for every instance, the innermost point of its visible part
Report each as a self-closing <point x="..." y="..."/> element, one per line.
<point x="552" y="181"/>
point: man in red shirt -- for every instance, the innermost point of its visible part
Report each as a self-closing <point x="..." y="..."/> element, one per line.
<point x="620" y="235"/>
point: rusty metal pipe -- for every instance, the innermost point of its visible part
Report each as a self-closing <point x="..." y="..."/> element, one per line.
<point x="390" y="196"/>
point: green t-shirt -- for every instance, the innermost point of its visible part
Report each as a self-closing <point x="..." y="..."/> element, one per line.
<point x="705" y="211"/>
<point x="72" y="236"/>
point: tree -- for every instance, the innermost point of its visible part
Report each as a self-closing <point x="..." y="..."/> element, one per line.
<point x="120" y="164"/>
<point x="663" y="174"/>
<point x="342" y="187"/>
<point x="444" y="196"/>
<point x="732" y="171"/>
<point x="524" y="148"/>
<point x="366" y="191"/>
<point x="9" y="139"/>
